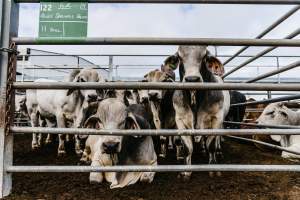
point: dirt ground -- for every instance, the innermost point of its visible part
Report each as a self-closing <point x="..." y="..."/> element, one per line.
<point x="232" y="185"/>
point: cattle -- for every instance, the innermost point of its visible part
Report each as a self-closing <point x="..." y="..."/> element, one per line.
<point x="161" y="107"/>
<point x="279" y="114"/>
<point x="111" y="150"/>
<point x="236" y="113"/>
<point x="198" y="109"/>
<point x="129" y="97"/>
<point x="21" y="109"/>
<point x="64" y="105"/>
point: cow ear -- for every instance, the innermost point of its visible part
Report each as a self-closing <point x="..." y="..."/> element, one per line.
<point x="92" y="122"/>
<point x="110" y="94"/>
<point x="214" y="65"/>
<point x="131" y="122"/>
<point x="171" y="63"/>
<point x="75" y="79"/>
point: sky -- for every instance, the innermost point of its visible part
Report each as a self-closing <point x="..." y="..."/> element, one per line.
<point x="150" y="20"/>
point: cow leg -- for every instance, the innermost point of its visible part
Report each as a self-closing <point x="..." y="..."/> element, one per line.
<point x="42" y="123"/>
<point x="49" y="137"/>
<point x="34" y="123"/>
<point x="163" y="146"/>
<point x="61" y="138"/>
<point x="188" y="145"/>
<point x="213" y="144"/>
<point x="78" y="149"/>
<point x="170" y="144"/>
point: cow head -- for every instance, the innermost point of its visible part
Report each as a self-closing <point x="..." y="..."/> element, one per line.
<point x="278" y="114"/>
<point x="87" y="75"/>
<point x="195" y="64"/>
<point x="156" y="96"/>
<point x="157" y="76"/>
<point x="112" y="114"/>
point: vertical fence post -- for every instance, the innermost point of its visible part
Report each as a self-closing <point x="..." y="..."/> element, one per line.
<point x="110" y="65"/>
<point x="9" y="28"/>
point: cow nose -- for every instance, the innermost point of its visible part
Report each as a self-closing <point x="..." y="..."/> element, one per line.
<point x="111" y="147"/>
<point x="192" y="79"/>
<point x="92" y="97"/>
<point x="144" y="100"/>
<point x="153" y="95"/>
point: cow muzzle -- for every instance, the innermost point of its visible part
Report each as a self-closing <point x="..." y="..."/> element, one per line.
<point x="192" y="78"/>
<point x="154" y="95"/>
<point x="111" y="147"/>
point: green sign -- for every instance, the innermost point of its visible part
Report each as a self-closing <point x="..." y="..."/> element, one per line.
<point x="61" y="20"/>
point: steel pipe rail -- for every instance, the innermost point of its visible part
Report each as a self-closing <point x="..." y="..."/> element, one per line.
<point x="146" y="132"/>
<point x="272" y="2"/>
<point x="158" y="85"/>
<point x="290" y="36"/>
<point x="158" y="168"/>
<point x="156" y="41"/>
<point x="267" y="101"/>
<point x="273" y="146"/>
<point x="266" y="31"/>
<point x="263" y="125"/>
<point x="274" y="72"/>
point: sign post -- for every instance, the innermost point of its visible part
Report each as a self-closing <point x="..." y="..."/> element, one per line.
<point x="62" y="19"/>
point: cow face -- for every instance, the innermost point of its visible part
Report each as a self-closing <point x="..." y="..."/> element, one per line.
<point x="157" y="76"/>
<point x="277" y="114"/>
<point x="194" y="62"/>
<point x="87" y="75"/>
<point x="112" y="115"/>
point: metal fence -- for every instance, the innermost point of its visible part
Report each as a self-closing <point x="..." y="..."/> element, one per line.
<point x="8" y="59"/>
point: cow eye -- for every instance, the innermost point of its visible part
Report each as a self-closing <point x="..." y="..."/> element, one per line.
<point x="284" y="114"/>
<point x="270" y="113"/>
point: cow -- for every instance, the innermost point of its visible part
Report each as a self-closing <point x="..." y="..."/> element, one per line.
<point x="161" y="106"/>
<point x="236" y="113"/>
<point x="64" y="105"/>
<point x="111" y="150"/>
<point x="20" y="108"/>
<point x="279" y="114"/>
<point x="198" y="109"/>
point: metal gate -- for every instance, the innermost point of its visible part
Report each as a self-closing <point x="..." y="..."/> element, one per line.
<point x="9" y="39"/>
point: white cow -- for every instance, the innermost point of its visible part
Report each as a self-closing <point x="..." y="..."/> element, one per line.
<point x="279" y="114"/>
<point x="63" y="105"/>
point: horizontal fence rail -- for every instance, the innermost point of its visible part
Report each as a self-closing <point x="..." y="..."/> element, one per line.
<point x="159" y="168"/>
<point x="161" y="85"/>
<point x="273" y="146"/>
<point x="156" y="41"/>
<point x="274" y="2"/>
<point x="267" y="101"/>
<point x="146" y="132"/>
<point x="263" y="125"/>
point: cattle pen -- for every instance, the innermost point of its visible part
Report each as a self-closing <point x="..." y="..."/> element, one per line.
<point x="8" y="56"/>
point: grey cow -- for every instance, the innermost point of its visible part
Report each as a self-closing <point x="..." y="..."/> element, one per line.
<point x="64" y="105"/>
<point x="110" y="150"/>
<point x="198" y="109"/>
